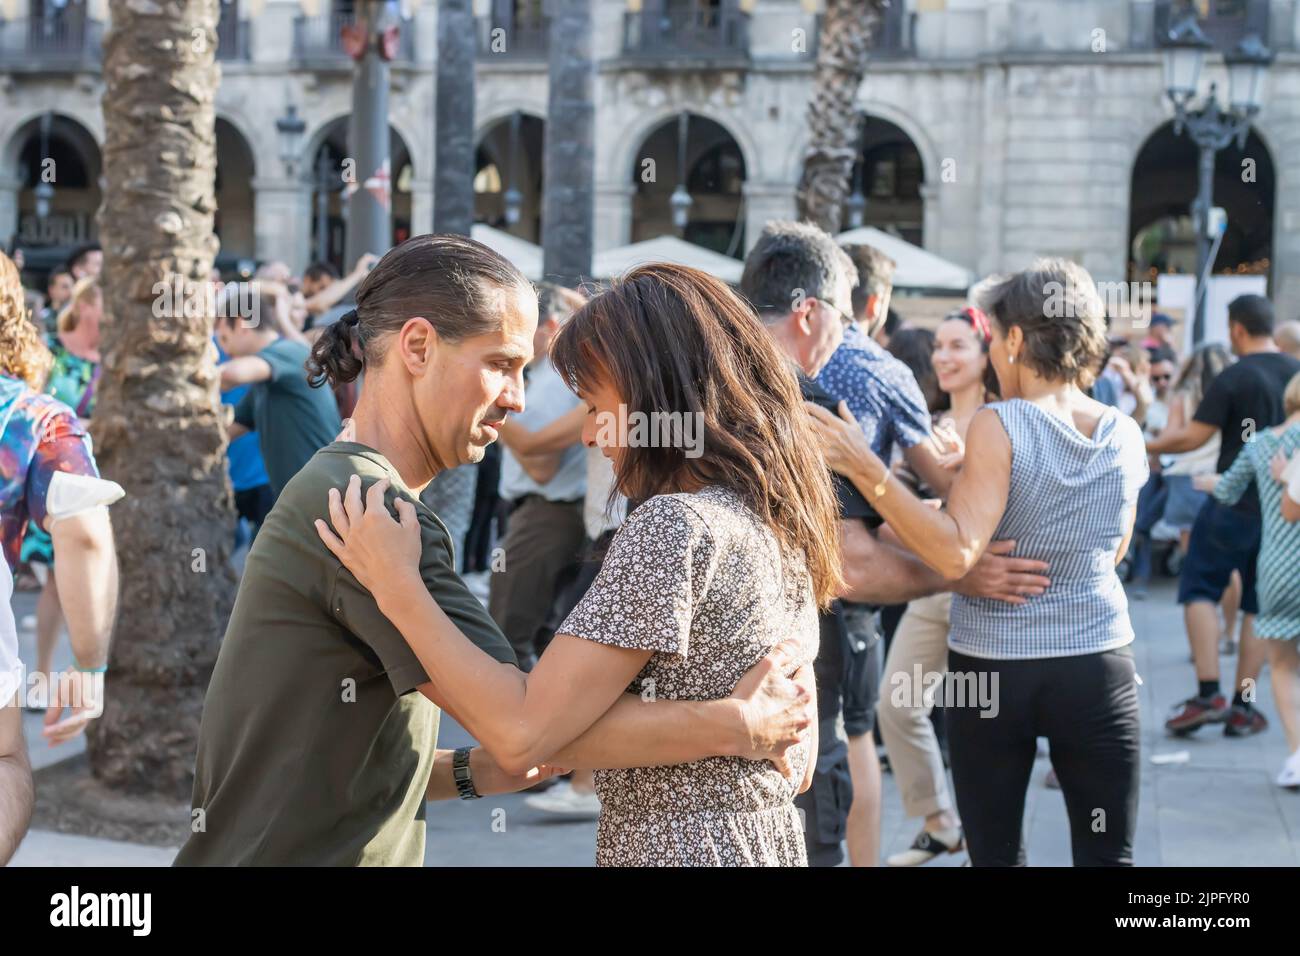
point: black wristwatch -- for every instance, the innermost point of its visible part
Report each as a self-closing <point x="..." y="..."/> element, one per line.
<point x="460" y="771"/>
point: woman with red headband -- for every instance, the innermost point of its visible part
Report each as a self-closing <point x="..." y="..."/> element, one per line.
<point x="920" y="645"/>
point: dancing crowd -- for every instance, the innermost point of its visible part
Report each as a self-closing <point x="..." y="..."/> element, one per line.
<point x="681" y="557"/>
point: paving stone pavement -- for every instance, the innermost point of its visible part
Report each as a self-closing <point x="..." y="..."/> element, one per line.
<point x="1218" y="808"/>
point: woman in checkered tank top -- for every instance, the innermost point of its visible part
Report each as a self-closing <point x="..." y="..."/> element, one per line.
<point x="1058" y="473"/>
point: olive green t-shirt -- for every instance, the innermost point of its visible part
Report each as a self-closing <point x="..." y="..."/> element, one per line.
<point x="315" y="748"/>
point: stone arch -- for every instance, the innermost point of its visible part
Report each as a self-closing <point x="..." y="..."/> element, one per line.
<point x="634" y="137"/>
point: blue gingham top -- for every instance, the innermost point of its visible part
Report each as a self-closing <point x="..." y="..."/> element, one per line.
<point x="1069" y="504"/>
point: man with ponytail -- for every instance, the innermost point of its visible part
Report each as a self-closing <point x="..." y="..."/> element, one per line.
<point x="319" y="732"/>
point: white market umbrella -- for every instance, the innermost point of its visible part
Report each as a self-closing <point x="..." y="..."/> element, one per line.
<point x="916" y="268"/>
<point x="615" y="262"/>
<point x="527" y="256"/>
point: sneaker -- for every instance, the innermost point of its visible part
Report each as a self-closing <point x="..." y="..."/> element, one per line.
<point x="563" y="801"/>
<point x="1243" y="722"/>
<point x="1196" y="711"/>
<point x="1227" y="645"/>
<point x="927" y="846"/>
<point x="1289" y="777"/>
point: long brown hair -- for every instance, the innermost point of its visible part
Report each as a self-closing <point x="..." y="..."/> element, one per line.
<point x="22" y="353"/>
<point x="672" y="339"/>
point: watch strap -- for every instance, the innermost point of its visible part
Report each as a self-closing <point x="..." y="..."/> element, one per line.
<point x="460" y="773"/>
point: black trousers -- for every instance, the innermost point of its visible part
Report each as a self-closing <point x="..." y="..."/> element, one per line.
<point x="1087" y="708"/>
<point x="543" y="540"/>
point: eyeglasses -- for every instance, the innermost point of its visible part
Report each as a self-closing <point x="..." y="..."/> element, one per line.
<point x="845" y="319"/>
<point x="1161" y="378"/>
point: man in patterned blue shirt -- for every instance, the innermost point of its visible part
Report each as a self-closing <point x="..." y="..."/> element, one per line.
<point x="881" y="392"/>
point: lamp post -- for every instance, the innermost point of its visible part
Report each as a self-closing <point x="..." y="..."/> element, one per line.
<point x="44" y="191"/>
<point x="513" y="198"/>
<point x="856" y="204"/>
<point x="1209" y="126"/>
<point x="680" y="200"/>
<point x="324" y="180"/>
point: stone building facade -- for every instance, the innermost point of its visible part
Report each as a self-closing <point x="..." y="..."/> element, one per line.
<point x="997" y="129"/>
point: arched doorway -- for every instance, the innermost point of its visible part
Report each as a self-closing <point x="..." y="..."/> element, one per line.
<point x="714" y="179"/>
<point x="56" y="162"/>
<point x="234" y="220"/>
<point x="1162" y="237"/>
<point x="330" y="163"/>
<point x="885" y="184"/>
<point x="510" y="155"/>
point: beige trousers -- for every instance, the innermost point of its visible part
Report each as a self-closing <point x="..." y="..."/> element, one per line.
<point x="919" y="651"/>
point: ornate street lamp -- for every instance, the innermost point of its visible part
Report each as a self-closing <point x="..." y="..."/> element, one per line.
<point x="1185" y="49"/>
<point x="1247" y="66"/>
<point x="1211" y="128"/>
<point x="291" y="128"/>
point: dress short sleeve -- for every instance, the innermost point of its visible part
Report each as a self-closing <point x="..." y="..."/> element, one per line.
<point x="656" y="571"/>
<point x="63" y="446"/>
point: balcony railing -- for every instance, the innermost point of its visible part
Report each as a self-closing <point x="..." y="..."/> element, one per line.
<point x="51" y="44"/>
<point x="509" y="35"/>
<point x="232" y="35"/>
<point x="894" y="36"/>
<point x="1229" y="21"/>
<point x="698" y="30"/>
<point x="318" y="41"/>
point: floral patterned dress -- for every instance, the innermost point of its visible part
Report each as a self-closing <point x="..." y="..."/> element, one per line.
<point x="699" y="579"/>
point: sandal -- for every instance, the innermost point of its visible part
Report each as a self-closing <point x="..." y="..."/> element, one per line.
<point x="927" y="846"/>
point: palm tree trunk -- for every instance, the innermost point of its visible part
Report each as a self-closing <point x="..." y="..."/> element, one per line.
<point x="568" y="167"/>
<point x="158" y="426"/>
<point x="833" y="122"/>
<point x="453" y="128"/>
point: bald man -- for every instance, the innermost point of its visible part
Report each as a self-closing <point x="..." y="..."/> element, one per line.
<point x="1287" y="336"/>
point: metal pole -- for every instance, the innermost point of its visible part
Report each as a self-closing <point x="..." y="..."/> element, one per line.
<point x="453" y="187"/>
<point x="370" y="216"/>
<point x="1204" y="202"/>
<point x="323" y="207"/>
<point x="568" y="163"/>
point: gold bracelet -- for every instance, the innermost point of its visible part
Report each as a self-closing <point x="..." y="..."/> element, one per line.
<point x="878" y="492"/>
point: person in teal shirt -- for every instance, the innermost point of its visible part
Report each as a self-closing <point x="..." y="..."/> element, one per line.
<point x="292" y="419"/>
